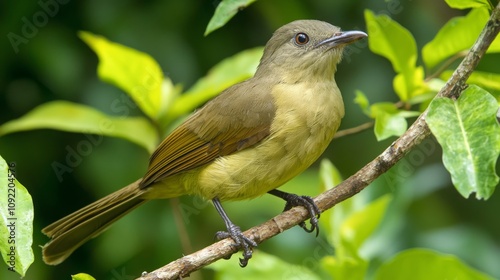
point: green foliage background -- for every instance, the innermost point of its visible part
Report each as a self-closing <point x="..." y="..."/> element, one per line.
<point x="55" y="64"/>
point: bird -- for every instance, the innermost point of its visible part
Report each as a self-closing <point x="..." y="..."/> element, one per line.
<point x="247" y="141"/>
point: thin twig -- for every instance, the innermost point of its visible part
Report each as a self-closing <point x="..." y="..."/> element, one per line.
<point x="181" y="225"/>
<point x="445" y="65"/>
<point x="353" y="130"/>
<point x="414" y="135"/>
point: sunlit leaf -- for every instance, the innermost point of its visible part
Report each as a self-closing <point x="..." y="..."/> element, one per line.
<point x="135" y="72"/>
<point x="330" y="175"/>
<point x="82" y="276"/>
<point x="264" y="266"/>
<point x="469" y="133"/>
<point x="352" y="225"/>
<point x="392" y="41"/>
<point x="418" y="87"/>
<point x="389" y="120"/>
<point x="331" y="221"/>
<point x="226" y="73"/>
<point x="417" y="264"/>
<point x="482" y="79"/>
<point x="73" y="117"/>
<point x="361" y="224"/>
<point x="466" y="4"/>
<point x="362" y="101"/>
<point x="16" y="225"/>
<point x="457" y="35"/>
<point x="224" y="12"/>
<point x="345" y="268"/>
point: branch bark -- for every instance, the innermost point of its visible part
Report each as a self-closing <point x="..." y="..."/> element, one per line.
<point x="413" y="136"/>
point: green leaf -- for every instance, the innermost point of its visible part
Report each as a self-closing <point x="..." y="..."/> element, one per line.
<point x="389" y="120"/>
<point x="345" y="268"/>
<point x="417" y="88"/>
<point x="466" y="4"/>
<point x="392" y="41"/>
<point x="387" y="125"/>
<point x="482" y="79"/>
<point x="329" y="174"/>
<point x="135" y="72"/>
<point x="264" y="266"/>
<point x="16" y="225"/>
<point x="331" y="220"/>
<point x="362" y="101"/>
<point x="72" y="117"/>
<point x="456" y="36"/>
<point x="226" y="73"/>
<point x="361" y="224"/>
<point x="417" y="264"/>
<point x="82" y="276"/>
<point x="224" y="12"/>
<point x="469" y="133"/>
<point x="351" y="228"/>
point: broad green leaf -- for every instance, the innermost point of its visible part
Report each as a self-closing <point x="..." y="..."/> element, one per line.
<point x="226" y="73"/>
<point x="417" y="264"/>
<point x="331" y="221"/>
<point x="482" y="79"/>
<point x="73" y="117"/>
<point x="352" y="225"/>
<point x="82" y="276"/>
<point x="345" y="268"/>
<point x="457" y="35"/>
<point x="224" y="12"/>
<point x="264" y="266"/>
<point x="387" y="125"/>
<point x="469" y="133"/>
<point x="135" y="72"/>
<point x="466" y="4"/>
<point x="329" y="174"/>
<point x="16" y="225"/>
<point x="361" y="224"/>
<point x="389" y="120"/>
<point x="330" y="177"/>
<point x="363" y="102"/>
<point x="392" y="41"/>
<point x="400" y="84"/>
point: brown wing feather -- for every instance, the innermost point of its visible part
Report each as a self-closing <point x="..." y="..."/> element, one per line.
<point x="238" y="118"/>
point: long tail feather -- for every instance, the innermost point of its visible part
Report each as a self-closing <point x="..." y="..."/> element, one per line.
<point x="74" y="230"/>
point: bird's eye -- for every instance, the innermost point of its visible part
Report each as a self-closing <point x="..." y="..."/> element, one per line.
<point x="301" y="39"/>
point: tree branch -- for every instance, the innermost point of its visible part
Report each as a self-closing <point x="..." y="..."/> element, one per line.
<point x="413" y="136"/>
<point x="353" y="130"/>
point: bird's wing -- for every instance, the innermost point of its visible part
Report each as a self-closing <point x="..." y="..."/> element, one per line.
<point x="238" y="118"/>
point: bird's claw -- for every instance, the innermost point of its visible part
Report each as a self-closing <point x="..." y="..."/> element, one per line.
<point x="308" y="203"/>
<point x="240" y="241"/>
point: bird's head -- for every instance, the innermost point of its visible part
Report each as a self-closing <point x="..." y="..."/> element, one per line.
<point x="306" y="49"/>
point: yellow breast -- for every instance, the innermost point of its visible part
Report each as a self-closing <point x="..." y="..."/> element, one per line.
<point x="307" y="117"/>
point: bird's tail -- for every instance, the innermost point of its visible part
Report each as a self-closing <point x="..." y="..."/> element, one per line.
<point x="74" y="230"/>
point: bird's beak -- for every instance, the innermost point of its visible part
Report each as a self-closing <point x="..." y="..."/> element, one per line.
<point x="343" y="38"/>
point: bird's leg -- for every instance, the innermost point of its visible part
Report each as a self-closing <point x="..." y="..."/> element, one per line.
<point x="307" y="202"/>
<point x="235" y="233"/>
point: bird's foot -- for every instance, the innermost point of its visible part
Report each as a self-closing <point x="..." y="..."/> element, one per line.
<point x="293" y="200"/>
<point x="240" y="241"/>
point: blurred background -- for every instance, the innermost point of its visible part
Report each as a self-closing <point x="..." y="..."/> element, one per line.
<point x="54" y="64"/>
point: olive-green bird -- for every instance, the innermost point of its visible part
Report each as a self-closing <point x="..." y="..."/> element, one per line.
<point x="247" y="141"/>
